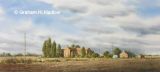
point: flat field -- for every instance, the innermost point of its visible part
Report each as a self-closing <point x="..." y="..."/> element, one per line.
<point x="87" y="65"/>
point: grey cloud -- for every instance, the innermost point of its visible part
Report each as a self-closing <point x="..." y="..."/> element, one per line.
<point x="142" y="30"/>
<point x="101" y="27"/>
<point x="72" y="41"/>
<point x="133" y="42"/>
<point x="98" y="31"/>
<point x="16" y="46"/>
<point x="114" y="14"/>
<point x="74" y="9"/>
<point x="101" y="2"/>
<point x="136" y="45"/>
<point x="13" y="43"/>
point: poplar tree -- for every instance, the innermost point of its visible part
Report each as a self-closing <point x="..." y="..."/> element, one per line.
<point x="44" y="49"/>
<point x="59" y="52"/>
<point x="54" y="49"/>
<point x="49" y="47"/>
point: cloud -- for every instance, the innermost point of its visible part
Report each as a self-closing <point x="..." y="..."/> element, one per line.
<point x="104" y="8"/>
<point x="1" y="11"/>
<point x="12" y="36"/>
<point x="92" y="23"/>
<point x="104" y="22"/>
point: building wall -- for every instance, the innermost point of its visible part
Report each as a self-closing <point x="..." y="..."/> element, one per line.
<point x="123" y="55"/>
<point x="67" y="52"/>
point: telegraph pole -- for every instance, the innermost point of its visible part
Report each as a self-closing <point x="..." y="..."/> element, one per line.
<point x="25" y="46"/>
<point x="112" y="46"/>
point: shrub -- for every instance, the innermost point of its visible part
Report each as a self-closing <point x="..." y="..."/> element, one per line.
<point x="17" y="61"/>
<point x="54" y="60"/>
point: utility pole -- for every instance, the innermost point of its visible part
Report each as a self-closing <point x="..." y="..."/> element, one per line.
<point x="112" y="46"/>
<point x="25" y="46"/>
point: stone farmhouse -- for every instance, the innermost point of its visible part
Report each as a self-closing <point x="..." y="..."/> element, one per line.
<point x="124" y="54"/>
<point x="73" y="52"/>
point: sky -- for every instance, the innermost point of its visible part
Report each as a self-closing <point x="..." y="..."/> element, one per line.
<point x="132" y="25"/>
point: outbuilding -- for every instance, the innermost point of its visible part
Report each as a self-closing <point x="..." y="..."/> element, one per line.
<point x="124" y="54"/>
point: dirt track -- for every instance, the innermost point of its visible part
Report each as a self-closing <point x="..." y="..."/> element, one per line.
<point x="140" y="65"/>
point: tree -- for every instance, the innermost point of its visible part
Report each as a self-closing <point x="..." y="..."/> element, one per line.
<point x="5" y="54"/>
<point x="49" y="48"/>
<point x="59" y="52"/>
<point x="77" y="46"/>
<point x="107" y="54"/>
<point x="19" y="54"/>
<point x="116" y="51"/>
<point x="89" y="52"/>
<point x="49" y="44"/>
<point x="72" y="46"/>
<point x="83" y="52"/>
<point x="54" y="53"/>
<point x="95" y="55"/>
<point x="44" y="50"/>
<point x="130" y="54"/>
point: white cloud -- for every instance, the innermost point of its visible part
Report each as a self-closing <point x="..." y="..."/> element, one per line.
<point x="12" y="36"/>
<point x="1" y="11"/>
<point x="105" y="21"/>
<point x="101" y="23"/>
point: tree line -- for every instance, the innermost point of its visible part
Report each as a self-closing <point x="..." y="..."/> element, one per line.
<point x="4" y="54"/>
<point x="52" y="50"/>
<point x="117" y="51"/>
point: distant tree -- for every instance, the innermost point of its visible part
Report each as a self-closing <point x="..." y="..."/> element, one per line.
<point x="77" y="46"/>
<point x="19" y="54"/>
<point x="95" y="55"/>
<point x="31" y="54"/>
<point x="130" y="54"/>
<point x="72" y="46"/>
<point x="89" y="52"/>
<point x="107" y="54"/>
<point x="8" y="54"/>
<point x="83" y="52"/>
<point x="5" y="54"/>
<point x="116" y="51"/>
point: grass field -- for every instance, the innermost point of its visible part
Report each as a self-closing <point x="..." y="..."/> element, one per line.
<point x="87" y="65"/>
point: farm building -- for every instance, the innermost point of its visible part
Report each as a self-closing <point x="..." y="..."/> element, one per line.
<point x="123" y="54"/>
<point x="73" y="52"/>
<point x="115" y="56"/>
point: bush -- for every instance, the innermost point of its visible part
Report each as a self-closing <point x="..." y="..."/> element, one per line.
<point x="76" y="59"/>
<point x="54" y="60"/>
<point x="17" y="61"/>
<point x="95" y="55"/>
<point x="106" y="54"/>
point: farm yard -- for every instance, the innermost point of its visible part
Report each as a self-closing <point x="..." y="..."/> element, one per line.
<point x="86" y="65"/>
